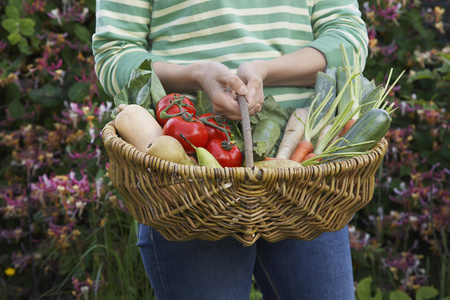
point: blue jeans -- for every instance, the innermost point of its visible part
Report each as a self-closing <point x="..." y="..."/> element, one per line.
<point x="290" y="270"/>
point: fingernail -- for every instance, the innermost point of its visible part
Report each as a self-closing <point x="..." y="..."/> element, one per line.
<point x="242" y="90"/>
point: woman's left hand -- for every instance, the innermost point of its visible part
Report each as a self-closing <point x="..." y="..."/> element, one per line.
<point x="252" y="74"/>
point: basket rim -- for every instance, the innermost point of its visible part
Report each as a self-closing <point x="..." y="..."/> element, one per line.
<point x="136" y="156"/>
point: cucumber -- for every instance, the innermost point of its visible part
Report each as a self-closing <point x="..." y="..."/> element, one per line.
<point x="265" y="135"/>
<point x="371" y="126"/>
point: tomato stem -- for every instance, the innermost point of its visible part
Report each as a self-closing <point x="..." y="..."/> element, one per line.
<point x="189" y="142"/>
<point x="178" y="101"/>
<point x="226" y="145"/>
<point x="187" y="116"/>
<point x="205" y="120"/>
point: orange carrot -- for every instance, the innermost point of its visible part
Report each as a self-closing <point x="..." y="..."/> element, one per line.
<point x="347" y="126"/>
<point x="272" y="158"/>
<point x="303" y="148"/>
<point x="309" y="156"/>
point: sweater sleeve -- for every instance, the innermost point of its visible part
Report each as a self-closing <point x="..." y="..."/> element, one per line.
<point x="120" y="42"/>
<point x="338" y="22"/>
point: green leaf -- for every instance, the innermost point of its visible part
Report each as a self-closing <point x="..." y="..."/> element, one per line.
<point x="14" y="38"/>
<point x="157" y="90"/>
<point x="203" y="104"/>
<point x="12" y="12"/>
<point x="102" y="94"/>
<point x="143" y="89"/>
<point x="47" y="96"/>
<point x="91" y="5"/>
<point x="426" y="292"/>
<point x="27" y="26"/>
<point x="16" y="109"/>
<point x="271" y="109"/>
<point x="236" y="134"/>
<point x="10" y="25"/>
<point x="16" y="3"/>
<point x="423" y="74"/>
<point x="139" y="90"/>
<point x="405" y="170"/>
<point x="121" y="98"/>
<point x="79" y="91"/>
<point x="11" y="92"/>
<point x="82" y="33"/>
<point x="424" y="141"/>
<point x="364" y="290"/>
<point x="445" y="68"/>
<point x="445" y="149"/>
<point x="23" y="46"/>
<point x="398" y="295"/>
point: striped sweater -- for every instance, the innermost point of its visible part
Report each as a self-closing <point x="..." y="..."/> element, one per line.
<point x="227" y="31"/>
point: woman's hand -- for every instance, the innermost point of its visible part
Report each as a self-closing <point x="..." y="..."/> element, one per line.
<point x="222" y="87"/>
<point x="252" y="73"/>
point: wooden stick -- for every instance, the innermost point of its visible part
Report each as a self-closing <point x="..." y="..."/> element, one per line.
<point x="247" y="132"/>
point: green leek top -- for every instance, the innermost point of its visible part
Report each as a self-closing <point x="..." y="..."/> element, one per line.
<point x="227" y="31"/>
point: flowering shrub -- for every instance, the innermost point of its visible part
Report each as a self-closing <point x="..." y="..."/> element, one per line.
<point x="63" y="228"/>
<point x="400" y="240"/>
<point x="66" y="233"/>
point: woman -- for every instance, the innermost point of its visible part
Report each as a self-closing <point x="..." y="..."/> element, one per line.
<point x="254" y="48"/>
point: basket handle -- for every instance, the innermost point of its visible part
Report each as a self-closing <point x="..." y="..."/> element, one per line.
<point x="247" y="132"/>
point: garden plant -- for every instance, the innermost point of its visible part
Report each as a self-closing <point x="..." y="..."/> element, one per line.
<point x="64" y="230"/>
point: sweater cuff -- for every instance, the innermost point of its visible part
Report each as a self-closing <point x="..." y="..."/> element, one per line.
<point x="333" y="53"/>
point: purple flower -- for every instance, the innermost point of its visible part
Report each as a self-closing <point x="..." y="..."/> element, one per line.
<point x="391" y="12"/>
<point x="388" y="51"/>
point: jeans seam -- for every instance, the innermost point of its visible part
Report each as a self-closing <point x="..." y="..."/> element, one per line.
<point x="150" y="231"/>
<point x="272" y="284"/>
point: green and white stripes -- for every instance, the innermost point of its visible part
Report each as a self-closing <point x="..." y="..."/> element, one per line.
<point x="228" y="31"/>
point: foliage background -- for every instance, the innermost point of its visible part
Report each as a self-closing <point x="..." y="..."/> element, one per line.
<point x="64" y="231"/>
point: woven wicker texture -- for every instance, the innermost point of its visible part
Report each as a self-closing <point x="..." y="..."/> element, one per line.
<point x="191" y="202"/>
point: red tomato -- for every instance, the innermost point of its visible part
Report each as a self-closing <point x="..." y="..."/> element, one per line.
<point x="213" y="132"/>
<point x="226" y="154"/>
<point x="190" y="127"/>
<point x="178" y="104"/>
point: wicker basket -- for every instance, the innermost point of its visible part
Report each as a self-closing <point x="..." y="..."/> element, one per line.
<point x="192" y="202"/>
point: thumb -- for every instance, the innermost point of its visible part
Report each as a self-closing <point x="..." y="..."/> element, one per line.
<point x="237" y="85"/>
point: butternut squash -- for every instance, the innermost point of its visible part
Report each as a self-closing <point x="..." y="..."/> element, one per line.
<point x="137" y="126"/>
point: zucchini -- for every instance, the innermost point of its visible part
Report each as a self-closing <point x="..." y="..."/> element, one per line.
<point x="265" y="136"/>
<point x="371" y="126"/>
<point x="371" y="99"/>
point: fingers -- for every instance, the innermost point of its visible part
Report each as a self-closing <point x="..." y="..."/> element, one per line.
<point x="222" y="87"/>
<point x="252" y="75"/>
<point x="223" y="101"/>
<point x="255" y="95"/>
<point x="237" y="85"/>
<point x="225" y="104"/>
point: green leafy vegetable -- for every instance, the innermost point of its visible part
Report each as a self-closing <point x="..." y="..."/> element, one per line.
<point x="144" y="89"/>
<point x="203" y="105"/>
